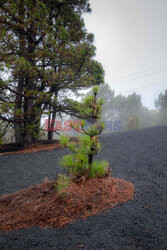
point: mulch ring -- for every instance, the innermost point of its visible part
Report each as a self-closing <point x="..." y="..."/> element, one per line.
<point x="39" y="146"/>
<point x="41" y="206"/>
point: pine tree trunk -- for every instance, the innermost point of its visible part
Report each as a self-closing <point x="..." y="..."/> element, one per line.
<point x="18" y="125"/>
<point x="30" y="115"/>
<point x="51" y="130"/>
<point x="52" y="117"/>
<point x="19" y="140"/>
<point x="29" y="124"/>
<point x="90" y="160"/>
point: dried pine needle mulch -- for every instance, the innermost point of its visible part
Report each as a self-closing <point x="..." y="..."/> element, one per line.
<point x="33" y="148"/>
<point x="40" y="206"/>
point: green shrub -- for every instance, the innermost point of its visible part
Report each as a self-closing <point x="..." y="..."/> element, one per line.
<point x="62" y="182"/>
<point x="98" y="169"/>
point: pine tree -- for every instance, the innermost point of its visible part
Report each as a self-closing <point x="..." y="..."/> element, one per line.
<point x="44" y="49"/>
<point x="80" y="163"/>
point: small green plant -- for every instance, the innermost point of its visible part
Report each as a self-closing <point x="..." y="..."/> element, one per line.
<point x="80" y="164"/>
<point x="99" y="169"/>
<point x="62" y="182"/>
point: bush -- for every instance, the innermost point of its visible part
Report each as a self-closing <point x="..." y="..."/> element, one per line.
<point x="98" y="169"/>
<point x="61" y="183"/>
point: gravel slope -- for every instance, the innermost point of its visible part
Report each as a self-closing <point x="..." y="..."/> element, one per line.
<point x="139" y="157"/>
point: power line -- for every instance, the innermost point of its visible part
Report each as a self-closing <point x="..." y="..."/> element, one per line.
<point x="143" y="76"/>
<point x="138" y="77"/>
<point x="140" y="72"/>
<point x="146" y="86"/>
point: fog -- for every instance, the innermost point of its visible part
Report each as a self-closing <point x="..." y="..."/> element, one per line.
<point x="123" y="113"/>
<point x="131" y="38"/>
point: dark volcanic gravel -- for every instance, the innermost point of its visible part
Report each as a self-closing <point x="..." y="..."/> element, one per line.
<point x="139" y="157"/>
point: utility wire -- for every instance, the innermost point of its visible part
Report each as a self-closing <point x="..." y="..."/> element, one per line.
<point x="138" y="77"/>
<point x="140" y="72"/>
<point x="146" y="86"/>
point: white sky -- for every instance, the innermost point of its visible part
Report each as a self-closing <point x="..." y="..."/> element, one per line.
<point x="131" y="42"/>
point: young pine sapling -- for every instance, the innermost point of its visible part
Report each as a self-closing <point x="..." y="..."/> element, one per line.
<point x="80" y="163"/>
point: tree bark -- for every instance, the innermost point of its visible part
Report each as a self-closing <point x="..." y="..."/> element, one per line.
<point x="19" y="140"/>
<point x="51" y="130"/>
<point x="51" y="118"/>
<point x="30" y="114"/>
<point x="18" y="126"/>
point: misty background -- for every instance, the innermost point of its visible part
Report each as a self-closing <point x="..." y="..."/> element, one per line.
<point x="130" y="37"/>
<point x="130" y="40"/>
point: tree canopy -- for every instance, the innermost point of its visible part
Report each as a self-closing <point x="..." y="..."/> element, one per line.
<point x="44" y="50"/>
